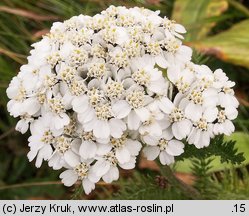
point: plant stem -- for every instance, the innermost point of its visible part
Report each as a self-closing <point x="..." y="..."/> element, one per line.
<point x="7" y="133"/>
<point x="239" y="6"/>
<point x="171" y="87"/>
<point x="31" y="184"/>
<point x="187" y="190"/>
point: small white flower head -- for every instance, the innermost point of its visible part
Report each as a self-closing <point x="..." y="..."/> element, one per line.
<point x="97" y="89"/>
<point x="165" y="146"/>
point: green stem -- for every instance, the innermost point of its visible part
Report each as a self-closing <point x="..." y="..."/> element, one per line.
<point x="7" y="133"/>
<point x="31" y="184"/>
<point x="239" y="7"/>
<point x="186" y="189"/>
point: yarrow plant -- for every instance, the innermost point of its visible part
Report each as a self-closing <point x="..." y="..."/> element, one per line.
<point x="96" y="90"/>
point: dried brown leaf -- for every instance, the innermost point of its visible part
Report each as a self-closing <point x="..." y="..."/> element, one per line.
<point x="242" y="97"/>
<point x="145" y="164"/>
<point x="154" y="2"/>
<point x="40" y="33"/>
<point x="186" y="178"/>
<point x="15" y="56"/>
<point x="28" y="14"/>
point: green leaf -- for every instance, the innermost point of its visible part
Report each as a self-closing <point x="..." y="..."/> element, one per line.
<point x="225" y="154"/>
<point x="146" y="187"/>
<point x="231" y="45"/>
<point x="195" y="15"/>
<point x="242" y="144"/>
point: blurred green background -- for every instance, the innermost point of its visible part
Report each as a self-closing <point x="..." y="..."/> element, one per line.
<point x="217" y="29"/>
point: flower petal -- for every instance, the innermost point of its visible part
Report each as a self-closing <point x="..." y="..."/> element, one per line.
<point x="231" y="112"/>
<point x="210" y="114"/>
<point x="175" y="148"/>
<point x="121" y="109"/>
<point x="101" y="167"/>
<point x="117" y="127"/>
<point x="87" y="149"/>
<point x="150" y="140"/>
<point x="165" y="158"/>
<point x="101" y="129"/>
<point x="80" y="104"/>
<point x="143" y="113"/>
<point x="71" y="158"/>
<point x="133" y="147"/>
<point x="88" y="185"/>
<point x="166" y="105"/>
<point x="123" y="155"/>
<point x="112" y="175"/>
<point x="22" y="126"/>
<point x="68" y="177"/>
<point x="129" y="165"/>
<point x="193" y="111"/>
<point x="133" y="121"/>
<point x="103" y="149"/>
<point x="161" y="61"/>
<point x="151" y="152"/>
<point x="228" y="127"/>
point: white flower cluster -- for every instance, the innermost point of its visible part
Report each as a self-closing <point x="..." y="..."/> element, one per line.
<point x="96" y="88"/>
